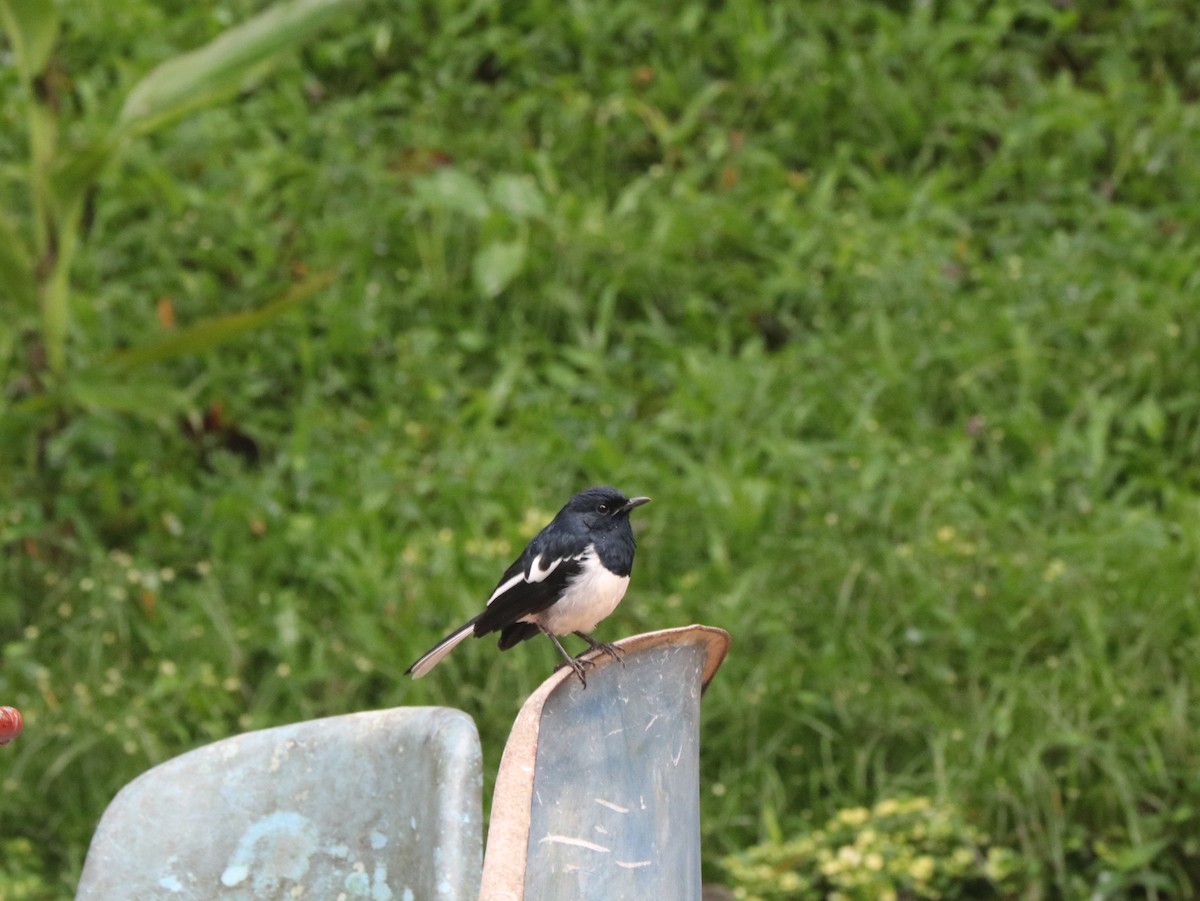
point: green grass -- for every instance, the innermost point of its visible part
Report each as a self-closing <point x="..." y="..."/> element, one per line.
<point x="891" y="308"/>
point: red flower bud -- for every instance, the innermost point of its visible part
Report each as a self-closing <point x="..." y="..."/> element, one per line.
<point x="10" y="724"/>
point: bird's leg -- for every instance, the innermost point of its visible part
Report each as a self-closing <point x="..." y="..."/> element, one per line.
<point x="567" y="658"/>
<point x="611" y="650"/>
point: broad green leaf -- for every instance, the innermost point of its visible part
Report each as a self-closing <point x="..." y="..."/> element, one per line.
<point x="32" y="27"/>
<point x="519" y="195"/>
<point x="453" y="190"/>
<point x="496" y="265"/>
<point x="197" y="78"/>
<point x="209" y="333"/>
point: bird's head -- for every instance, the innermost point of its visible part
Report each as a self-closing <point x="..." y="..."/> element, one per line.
<point x="602" y="508"/>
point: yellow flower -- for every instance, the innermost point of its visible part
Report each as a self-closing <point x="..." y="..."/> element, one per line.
<point x="999" y="864"/>
<point x="854" y="816"/>
<point x="887" y="807"/>
<point x="964" y="857"/>
<point x="848" y="854"/>
<point x="789" y="881"/>
<point x="921" y="869"/>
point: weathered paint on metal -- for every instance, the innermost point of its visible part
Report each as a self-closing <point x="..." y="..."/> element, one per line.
<point x="616" y="806"/>
<point x="379" y="806"/>
<point x="598" y="792"/>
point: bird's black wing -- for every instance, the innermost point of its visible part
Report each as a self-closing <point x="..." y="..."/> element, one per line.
<point x="535" y="580"/>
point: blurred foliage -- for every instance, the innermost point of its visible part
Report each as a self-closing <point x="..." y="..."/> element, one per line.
<point x="902" y="848"/>
<point x="890" y="306"/>
<point x="21" y="874"/>
<point x="62" y="179"/>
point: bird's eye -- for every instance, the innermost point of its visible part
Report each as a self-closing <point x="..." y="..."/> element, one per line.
<point x="603" y="508"/>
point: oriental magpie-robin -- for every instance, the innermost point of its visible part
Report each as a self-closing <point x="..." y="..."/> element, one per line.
<point x="568" y="578"/>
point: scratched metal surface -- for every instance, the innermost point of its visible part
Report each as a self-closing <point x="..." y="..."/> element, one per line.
<point x="382" y="805"/>
<point x="616" y="807"/>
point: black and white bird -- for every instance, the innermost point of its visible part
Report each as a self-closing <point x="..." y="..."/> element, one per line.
<point x="569" y="577"/>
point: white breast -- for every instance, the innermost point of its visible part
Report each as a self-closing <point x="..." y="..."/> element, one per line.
<point x="590" y="597"/>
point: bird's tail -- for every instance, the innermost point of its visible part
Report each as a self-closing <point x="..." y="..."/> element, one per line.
<point x="433" y="656"/>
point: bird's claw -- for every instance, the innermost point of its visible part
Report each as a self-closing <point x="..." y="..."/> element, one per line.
<point x="611" y="650"/>
<point x="577" y="666"/>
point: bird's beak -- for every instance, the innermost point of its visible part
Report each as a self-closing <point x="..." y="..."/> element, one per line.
<point x="634" y="502"/>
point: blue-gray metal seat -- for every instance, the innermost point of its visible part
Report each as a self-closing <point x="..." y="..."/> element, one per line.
<point x="597" y="797"/>
<point x="381" y="805"/>
<point x="598" y="793"/>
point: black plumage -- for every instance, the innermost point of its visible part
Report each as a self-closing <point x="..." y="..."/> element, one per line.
<point x="569" y="577"/>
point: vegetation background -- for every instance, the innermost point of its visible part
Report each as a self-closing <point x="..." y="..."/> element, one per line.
<point x="891" y="306"/>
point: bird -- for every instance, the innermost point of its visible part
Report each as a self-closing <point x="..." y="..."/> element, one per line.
<point x="569" y="577"/>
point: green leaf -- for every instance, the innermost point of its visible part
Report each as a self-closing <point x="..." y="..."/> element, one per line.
<point x="519" y="195"/>
<point x="76" y="171"/>
<point x="200" y="77"/>
<point x="1136" y="857"/>
<point x="451" y="189"/>
<point x="209" y="333"/>
<point x="686" y="125"/>
<point x="94" y="392"/>
<point x="32" y="28"/>
<point x="496" y="265"/>
<point x="1149" y="415"/>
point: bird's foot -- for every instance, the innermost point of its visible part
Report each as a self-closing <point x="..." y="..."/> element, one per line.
<point x="611" y="650"/>
<point x="577" y="666"/>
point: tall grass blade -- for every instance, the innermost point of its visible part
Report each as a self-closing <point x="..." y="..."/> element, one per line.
<point x="209" y="333"/>
<point x="197" y="78"/>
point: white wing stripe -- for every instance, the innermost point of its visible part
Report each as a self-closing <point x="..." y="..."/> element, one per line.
<point x="537" y="573"/>
<point x="505" y="586"/>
